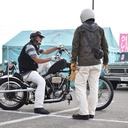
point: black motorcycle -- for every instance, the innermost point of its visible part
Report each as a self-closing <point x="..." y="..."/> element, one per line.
<point x="9" y="68"/>
<point x="14" y="92"/>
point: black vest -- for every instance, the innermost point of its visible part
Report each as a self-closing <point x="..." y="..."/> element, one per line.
<point x="26" y="63"/>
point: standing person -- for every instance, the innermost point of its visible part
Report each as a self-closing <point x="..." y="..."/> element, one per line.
<point x="89" y="68"/>
<point x="30" y="66"/>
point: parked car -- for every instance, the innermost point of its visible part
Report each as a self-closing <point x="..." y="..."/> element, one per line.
<point x="117" y="72"/>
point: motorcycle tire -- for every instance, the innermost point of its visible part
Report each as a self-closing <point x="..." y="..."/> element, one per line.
<point x="11" y="100"/>
<point x="105" y="93"/>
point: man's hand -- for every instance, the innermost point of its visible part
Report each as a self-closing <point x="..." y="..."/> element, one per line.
<point x="73" y="66"/>
<point x="105" y="67"/>
<point x="73" y="74"/>
<point x="10" y="67"/>
<point x="60" y="47"/>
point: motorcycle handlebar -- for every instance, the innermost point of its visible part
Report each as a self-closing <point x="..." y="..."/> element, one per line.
<point x="14" y="62"/>
<point x="61" y="50"/>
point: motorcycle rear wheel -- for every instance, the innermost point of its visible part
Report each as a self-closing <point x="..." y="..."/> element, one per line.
<point x="11" y="100"/>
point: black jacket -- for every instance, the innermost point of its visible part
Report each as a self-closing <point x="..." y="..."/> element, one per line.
<point x="81" y="49"/>
<point x="26" y="63"/>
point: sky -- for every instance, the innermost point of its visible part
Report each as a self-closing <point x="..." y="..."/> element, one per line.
<point x="19" y="15"/>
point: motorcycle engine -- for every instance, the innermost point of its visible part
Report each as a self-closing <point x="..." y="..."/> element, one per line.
<point x="55" y="85"/>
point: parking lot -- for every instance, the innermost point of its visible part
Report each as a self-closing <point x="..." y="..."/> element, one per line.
<point x="114" y="116"/>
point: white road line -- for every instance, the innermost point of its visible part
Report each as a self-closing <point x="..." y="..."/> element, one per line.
<point x="52" y="115"/>
<point x="17" y="112"/>
<point x="20" y="112"/>
<point x="68" y="110"/>
<point x="20" y="120"/>
<point x="113" y="121"/>
<point x="69" y="117"/>
<point x="100" y="120"/>
<point x="31" y="118"/>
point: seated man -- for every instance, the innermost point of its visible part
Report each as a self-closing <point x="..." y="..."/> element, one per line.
<point x="30" y="66"/>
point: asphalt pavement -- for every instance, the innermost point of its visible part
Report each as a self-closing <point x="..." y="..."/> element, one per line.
<point x="114" y="116"/>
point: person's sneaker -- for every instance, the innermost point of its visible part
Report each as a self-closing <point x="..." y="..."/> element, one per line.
<point x="80" y="117"/>
<point x="91" y="116"/>
<point x="41" y="111"/>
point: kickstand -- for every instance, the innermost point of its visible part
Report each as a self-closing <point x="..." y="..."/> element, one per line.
<point x="68" y="102"/>
<point x="69" y="99"/>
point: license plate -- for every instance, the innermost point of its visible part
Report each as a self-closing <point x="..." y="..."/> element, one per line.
<point x="56" y="79"/>
<point x="124" y="78"/>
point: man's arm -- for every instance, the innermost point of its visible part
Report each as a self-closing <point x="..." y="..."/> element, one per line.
<point x="104" y="46"/>
<point x="48" y="51"/>
<point x="75" y="45"/>
<point x="30" y="50"/>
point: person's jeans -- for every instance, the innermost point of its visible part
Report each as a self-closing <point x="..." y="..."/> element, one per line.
<point x="87" y="105"/>
<point x="36" y="78"/>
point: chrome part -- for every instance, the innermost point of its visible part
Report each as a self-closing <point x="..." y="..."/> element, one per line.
<point x="53" y="100"/>
<point x="56" y="80"/>
<point x="18" y="90"/>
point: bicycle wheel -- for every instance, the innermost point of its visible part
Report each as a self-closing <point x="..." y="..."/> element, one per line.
<point x="11" y="100"/>
<point x="105" y="93"/>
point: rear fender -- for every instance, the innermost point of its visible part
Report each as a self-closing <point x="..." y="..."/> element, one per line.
<point x="11" y="78"/>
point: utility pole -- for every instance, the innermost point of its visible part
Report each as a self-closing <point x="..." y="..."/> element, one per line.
<point x="93" y="4"/>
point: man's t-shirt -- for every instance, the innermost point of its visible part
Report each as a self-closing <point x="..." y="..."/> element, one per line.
<point x="31" y="51"/>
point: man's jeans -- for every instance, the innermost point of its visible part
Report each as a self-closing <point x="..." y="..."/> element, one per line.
<point x="36" y="78"/>
<point x="87" y="105"/>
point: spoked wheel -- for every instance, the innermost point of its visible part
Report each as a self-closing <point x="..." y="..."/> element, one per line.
<point x="105" y="93"/>
<point x="11" y="100"/>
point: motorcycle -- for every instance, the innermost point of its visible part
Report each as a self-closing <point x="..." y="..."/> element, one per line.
<point x="9" y="68"/>
<point x="14" y="92"/>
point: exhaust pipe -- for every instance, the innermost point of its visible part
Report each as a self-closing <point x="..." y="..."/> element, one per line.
<point x="17" y="90"/>
<point x="54" y="100"/>
<point x="67" y="97"/>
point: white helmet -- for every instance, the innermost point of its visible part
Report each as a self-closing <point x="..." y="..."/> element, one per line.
<point x="87" y="14"/>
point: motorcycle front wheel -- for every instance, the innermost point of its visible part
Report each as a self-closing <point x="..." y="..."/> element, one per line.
<point x="105" y="93"/>
<point x="11" y="100"/>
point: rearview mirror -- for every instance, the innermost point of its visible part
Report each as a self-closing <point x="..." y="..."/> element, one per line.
<point x="5" y="62"/>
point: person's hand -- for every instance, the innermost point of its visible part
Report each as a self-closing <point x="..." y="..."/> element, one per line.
<point x="60" y="47"/>
<point x="10" y="67"/>
<point x="55" y="58"/>
<point x="105" y="67"/>
<point x="72" y="76"/>
<point x="73" y="66"/>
